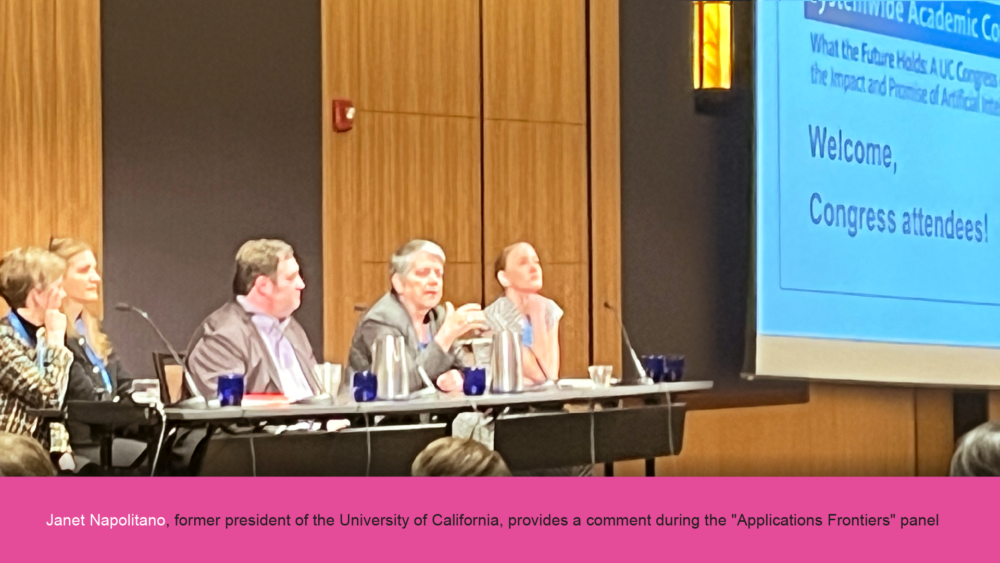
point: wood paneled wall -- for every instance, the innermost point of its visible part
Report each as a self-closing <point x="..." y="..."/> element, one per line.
<point x="605" y="183"/>
<point x="843" y="430"/>
<point x="535" y="153"/>
<point x="50" y="108"/>
<point x="994" y="405"/>
<point x="934" y="422"/>
<point x="472" y="131"/>
<point x="411" y="167"/>
<point x="50" y="121"/>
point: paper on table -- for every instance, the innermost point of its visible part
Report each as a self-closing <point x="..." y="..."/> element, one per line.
<point x="265" y="400"/>
<point x="575" y="384"/>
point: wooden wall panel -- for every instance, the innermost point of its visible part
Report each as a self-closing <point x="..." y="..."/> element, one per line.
<point x="50" y="121"/>
<point x="374" y="282"/>
<point x="534" y="60"/>
<point x="411" y="167"/>
<point x="567" y="285"/>
<point x="535" y="161"/>
<point x="993" y="405"/>
<point x="341" y="199"/>
<point x="935" y="430"/>
<point x="843" y="430"/>
<point x="77" y="134"/>
<point x="420" y="178"/>
<point x="341" y="55"/>
<point x="463" y="283"/>
<point x="536" y="189"/>
<point x="420" y="57"/>
<point x="605" y="183"/>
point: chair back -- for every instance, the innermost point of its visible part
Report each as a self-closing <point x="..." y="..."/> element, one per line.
<point x="171" y="377"/>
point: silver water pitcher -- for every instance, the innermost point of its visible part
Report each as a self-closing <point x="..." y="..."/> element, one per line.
<point x="389" y="362"/>
<point x="505" y="363"/>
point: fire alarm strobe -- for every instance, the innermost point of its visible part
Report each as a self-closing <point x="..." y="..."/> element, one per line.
<point x="343" y="115"/>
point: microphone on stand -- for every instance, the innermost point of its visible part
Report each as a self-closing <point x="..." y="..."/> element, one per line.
<point x="197" y="401"/>
<point x="646" y="380"/>
<point x="643" y="380"/>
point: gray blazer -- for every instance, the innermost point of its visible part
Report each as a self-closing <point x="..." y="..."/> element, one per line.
<point x="228" y="342"/>
<point x="388" y="317"/>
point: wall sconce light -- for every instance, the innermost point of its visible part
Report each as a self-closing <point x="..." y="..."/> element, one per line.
<point x="712" y="53"/>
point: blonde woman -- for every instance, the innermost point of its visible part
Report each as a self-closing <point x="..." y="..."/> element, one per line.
<point x="96" y="373"/>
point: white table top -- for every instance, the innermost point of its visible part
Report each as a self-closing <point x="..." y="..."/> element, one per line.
<point x="438" y="401"/>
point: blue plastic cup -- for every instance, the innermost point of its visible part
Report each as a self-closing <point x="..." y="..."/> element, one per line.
<point x="365" y="386"/>
<point x="230" y="390"/>
<point x="474" y="380"/>
<point x="655" y="367"/>
<point x="674" y="368"/>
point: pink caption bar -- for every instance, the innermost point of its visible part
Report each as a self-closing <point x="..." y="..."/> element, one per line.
<point x="621" y="519"/>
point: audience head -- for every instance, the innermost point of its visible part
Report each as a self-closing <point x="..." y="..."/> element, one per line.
<point x="518" y="268"/>
<point x="978" y="452"/>
<point x="82" y="282"/>
<point x="21" y="456"/>
<point x="417" y="274"/>
<point x="268" y="275"/>
<point x="31" y="278"/>
<point x="458" y="457"/>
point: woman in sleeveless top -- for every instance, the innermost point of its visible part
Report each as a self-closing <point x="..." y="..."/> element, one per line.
<point x="522" y="309"/>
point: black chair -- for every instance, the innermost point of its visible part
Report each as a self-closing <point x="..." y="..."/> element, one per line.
<point x="171" y="376"/>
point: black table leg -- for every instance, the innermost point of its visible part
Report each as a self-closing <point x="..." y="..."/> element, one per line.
<point x="650" y="468"/>
<point x="609" y="469"/>
<point x="152" y="444"/>
<point x="107" y="449"/>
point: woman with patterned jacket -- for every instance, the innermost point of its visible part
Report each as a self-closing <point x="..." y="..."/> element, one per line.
<point x="34" y="360"/>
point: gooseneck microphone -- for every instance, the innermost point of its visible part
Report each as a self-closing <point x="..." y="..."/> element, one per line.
<point x="646" y="380"/>
<point x="197" y="401"/>
<point x="635" y="358"/>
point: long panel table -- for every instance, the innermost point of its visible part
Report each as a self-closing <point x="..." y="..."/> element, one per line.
<point x="436" y="402"/>
<point x="544" y="428"/>
<point x="533" y="431"/>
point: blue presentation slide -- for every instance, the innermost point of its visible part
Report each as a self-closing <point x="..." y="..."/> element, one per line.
<point x="878" y="171"/>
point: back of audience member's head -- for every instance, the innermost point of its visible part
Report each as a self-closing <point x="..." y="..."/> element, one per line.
<point x="978" y="452"/>
<point x="21" y="456"/>
<point x="458" y="457"/>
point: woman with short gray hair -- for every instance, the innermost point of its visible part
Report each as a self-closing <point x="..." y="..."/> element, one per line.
<point x="412" y="309"/>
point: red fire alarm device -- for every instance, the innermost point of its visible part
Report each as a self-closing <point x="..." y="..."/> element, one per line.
<point x="343" y="115"/>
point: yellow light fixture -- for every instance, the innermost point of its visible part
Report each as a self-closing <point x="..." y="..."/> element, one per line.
<point x="712" y="53"/>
